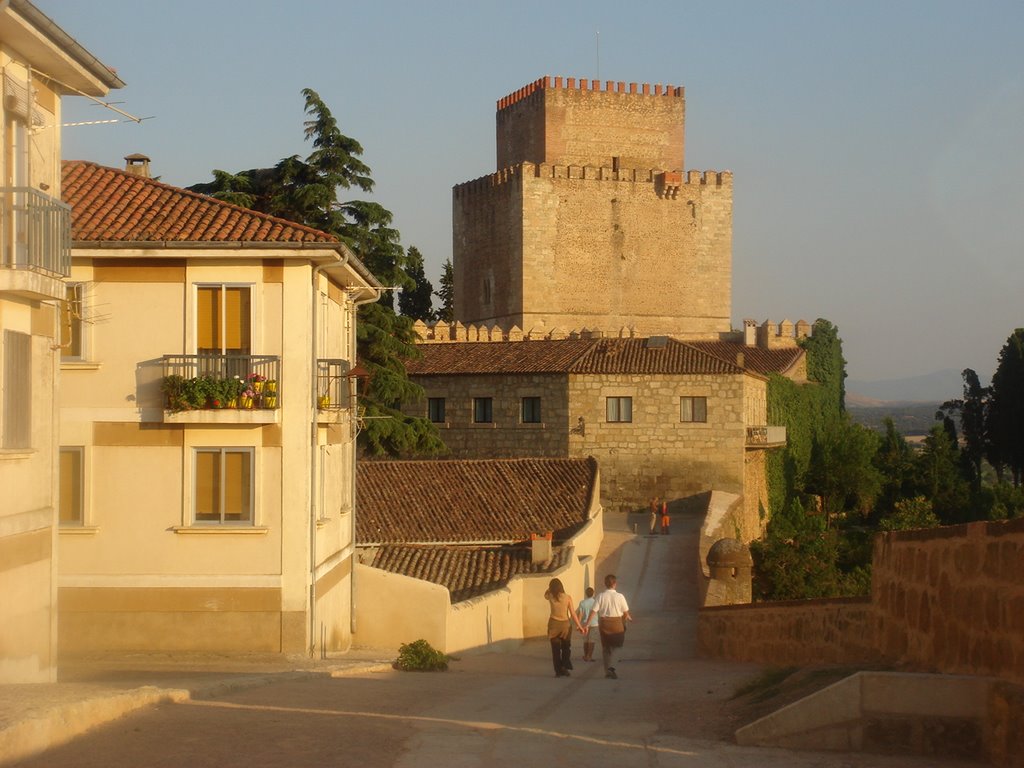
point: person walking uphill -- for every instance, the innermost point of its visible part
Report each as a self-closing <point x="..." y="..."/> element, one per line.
<point x="590" y="630"/>
<point x="612" y="613"/>
<point x="559" y="629"/>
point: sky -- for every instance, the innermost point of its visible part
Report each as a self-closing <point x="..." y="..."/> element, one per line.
<point x="876" y="145"/>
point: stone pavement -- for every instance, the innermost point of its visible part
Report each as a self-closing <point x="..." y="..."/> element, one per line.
<point x="492" y="709"/>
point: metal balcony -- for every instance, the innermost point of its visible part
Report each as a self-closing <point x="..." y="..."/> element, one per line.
<point x="36" y="232"/>
<point x="766" y="437"/>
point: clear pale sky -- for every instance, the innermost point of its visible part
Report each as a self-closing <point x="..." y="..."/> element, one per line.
<point x="876" y="145"/>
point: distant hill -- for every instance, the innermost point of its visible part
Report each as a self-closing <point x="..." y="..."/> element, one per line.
<point x="934" y="387"/>
<point x="910" y="419"/>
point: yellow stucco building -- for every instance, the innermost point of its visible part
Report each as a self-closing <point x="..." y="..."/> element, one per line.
<point x="40" y="64"/>
<point x="207" y="431"/>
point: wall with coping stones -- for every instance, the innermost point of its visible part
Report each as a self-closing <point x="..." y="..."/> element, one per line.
<point x="947" y="600"/>
<point x="952" y="599"/>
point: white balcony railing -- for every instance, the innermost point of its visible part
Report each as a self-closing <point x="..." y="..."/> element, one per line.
<point x="35" y="232"/>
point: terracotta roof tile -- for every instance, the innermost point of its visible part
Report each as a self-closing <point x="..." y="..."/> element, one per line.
<point x="472" y="501"/>
<point x="467" y="572"/>
<point x="636" y="355"/>
<point x="763" y="361"/>
<point x="110" y="205"/>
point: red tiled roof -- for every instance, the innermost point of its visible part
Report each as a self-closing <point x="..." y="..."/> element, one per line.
<point x="109" y="205"/>
<point x="763" y="361"/>
<point x="472" y="501"/>
<point x="548" y="356"/>
<point x="635" y="355"/>
<point x="466" y="571"/>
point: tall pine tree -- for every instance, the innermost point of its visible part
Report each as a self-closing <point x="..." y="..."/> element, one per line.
<point x="306" y="191"/>
<point x="415" y="302"/>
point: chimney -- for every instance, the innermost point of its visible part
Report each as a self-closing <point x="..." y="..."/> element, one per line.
<point x="137" y="164"/>
<point x="740" y="359"/>
<point x="540" y="546"/>
<point x="750" y="333"/>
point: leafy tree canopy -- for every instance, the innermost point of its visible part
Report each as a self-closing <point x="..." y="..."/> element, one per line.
<point x="306" y="191"/>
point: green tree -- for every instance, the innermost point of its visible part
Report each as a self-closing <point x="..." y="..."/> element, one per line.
<point x="446" y="293"/>
<point x="910" y="514"/>
<point x="306" y="191"/>
<point x="415" y="303"/>
<point x="894" y="461"/>
<point x="941" y="479"/>
<point x="842" y="471"/>
<point x="970" y="409"/>
<point x="1005" y="418"/>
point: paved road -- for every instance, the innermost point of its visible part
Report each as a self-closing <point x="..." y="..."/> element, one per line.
<point x="489" y="710"/>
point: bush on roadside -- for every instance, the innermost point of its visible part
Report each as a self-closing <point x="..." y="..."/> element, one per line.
<point x="420" y="656"/>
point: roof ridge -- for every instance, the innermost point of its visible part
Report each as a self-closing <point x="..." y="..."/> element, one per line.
<point x="148" y="181"/>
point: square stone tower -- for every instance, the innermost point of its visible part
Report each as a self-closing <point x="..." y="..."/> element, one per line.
<point x="591" y="221"/>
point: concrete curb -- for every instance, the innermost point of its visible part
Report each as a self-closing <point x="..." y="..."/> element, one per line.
<point x="62" y="723"/>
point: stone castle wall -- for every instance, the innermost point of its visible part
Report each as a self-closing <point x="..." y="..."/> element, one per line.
<point x="948" y="600"/>
<point x="572" y="246"/>
<point x="582" y="122"/>
<point x="654" y="454"/>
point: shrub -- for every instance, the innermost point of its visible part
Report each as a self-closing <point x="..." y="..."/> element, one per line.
<point x="420" y="657"/>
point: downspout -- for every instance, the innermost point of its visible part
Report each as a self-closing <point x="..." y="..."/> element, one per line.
<point x="354" y="416"/>
<point x="314" y="447"/>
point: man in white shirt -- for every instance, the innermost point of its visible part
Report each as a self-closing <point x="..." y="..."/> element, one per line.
<point x="612" y="613"/>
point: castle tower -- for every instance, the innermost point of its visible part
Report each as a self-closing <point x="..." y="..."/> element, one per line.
<point x="590" y="220"/>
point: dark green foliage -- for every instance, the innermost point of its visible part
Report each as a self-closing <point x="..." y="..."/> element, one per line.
<point x="1005" y="419"/>
<point x="306" y="191"/>
<point x="446" y="293"/>
<point x="941" y="479"/>
<point x="894" y="461"/>
<point x="416" y="302"/>
<point x="420" y="656"/>
<point x="910" y="514"/>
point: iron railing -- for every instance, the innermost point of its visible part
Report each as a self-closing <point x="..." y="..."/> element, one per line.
<point x="36" y="231"/>
<point x="333" y="385"/>
<point x="261" y="375"/>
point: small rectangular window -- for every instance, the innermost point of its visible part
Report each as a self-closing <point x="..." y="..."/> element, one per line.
<point x="620" y="409"/>
<point x="435" y="409"/>
<point x="72" y="498"/>
<point x="531" y="410"/>
<point x="482" y="410"/>
<point x="223" y="485"/>
<point x="16" y="414"/>
<point x="693" y="409"/>
<point x="71" y="313"/>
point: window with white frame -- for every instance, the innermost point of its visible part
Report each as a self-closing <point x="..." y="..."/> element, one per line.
<point x="223" y="483"/>
<point x="71" y="325"/>
<point x="224" y="319"/>
<point x="693" y="409"/>
<point x="16" y="411"/>
<point x="619" y="409"/>
<point x="72" y="485"/>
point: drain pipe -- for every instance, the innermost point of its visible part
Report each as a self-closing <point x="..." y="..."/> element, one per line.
<point x="354" y="421"/>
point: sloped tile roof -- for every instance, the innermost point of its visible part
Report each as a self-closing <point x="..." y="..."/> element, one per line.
<point x="467" y="572"/>
<point x="109" y="205"/>
<point x="763" y="361"/>
<point x="628" y="356"/>
<point x="549" y="356"/>
<point x="472" y="501"/>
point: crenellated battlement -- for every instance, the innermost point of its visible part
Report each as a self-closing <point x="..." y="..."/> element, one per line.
<point x="660" y="179"/>
<point x="584" y="85"/>
<point x="442" y="332"/>
<point x="772" y="335"/>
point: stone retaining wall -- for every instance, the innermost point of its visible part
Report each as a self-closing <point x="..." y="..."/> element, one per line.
<point x="793" y="632"/>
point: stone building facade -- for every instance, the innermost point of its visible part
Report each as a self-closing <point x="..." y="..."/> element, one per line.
<point x="662" y="417"/>
<point x="590" y="219"/>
